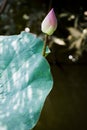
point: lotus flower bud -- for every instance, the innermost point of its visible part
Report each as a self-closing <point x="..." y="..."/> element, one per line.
<point x="49" y="24"/>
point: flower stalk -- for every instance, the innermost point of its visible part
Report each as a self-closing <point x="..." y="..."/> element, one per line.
<point x="45" y="44"/>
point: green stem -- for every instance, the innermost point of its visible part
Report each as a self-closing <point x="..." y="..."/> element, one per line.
<point x="45" y="44"/>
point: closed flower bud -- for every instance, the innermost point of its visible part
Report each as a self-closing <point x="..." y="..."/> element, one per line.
<point x="49" y="24"/>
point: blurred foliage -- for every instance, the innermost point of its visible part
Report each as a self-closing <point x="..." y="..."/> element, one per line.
<point x="70" y="37"/>
<point x="17" y="15"/>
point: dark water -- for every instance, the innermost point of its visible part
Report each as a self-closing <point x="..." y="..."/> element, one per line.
<point x="66" y="106"/>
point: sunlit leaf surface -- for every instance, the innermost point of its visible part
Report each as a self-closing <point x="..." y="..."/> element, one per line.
<point x="25" y="81"/>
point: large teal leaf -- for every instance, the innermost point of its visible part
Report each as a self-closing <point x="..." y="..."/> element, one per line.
<point x="25" y="81"/>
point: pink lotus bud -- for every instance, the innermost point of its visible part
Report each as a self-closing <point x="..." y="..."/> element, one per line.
<point x="49" y="24"/>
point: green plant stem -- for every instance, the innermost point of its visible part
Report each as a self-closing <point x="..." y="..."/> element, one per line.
<point x="45" y="44"/>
